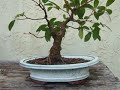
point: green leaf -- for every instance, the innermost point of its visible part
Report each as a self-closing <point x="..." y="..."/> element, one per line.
<point x="66" y="7"/>
<point x="57" y="23"/>
<point x="11" y="25"/>
<point x="83" y="2"/>
<point x="81" y="33"/>
<point x="45" y="1"/>
<point x="96" y="33"/>
<point x="72" y="4"/>
<point x="80" y="12"/>
<point x="109" y="11"/>
<point x="48" y="35"/>
<point x="41" y="28"/>
<point x="101" y="8"/>
<point x="98" y="14"/>
<point x="56" y="6"/>
<point x="95" y="25"/>
<point x="18" y="15"/>
<point x="96" y="3"/>
<point x="49" y="4"/>
<point x="87" y="37"/>
<point x="52" y="20"/>
<point x="49" y="8"/>
<point x="64" y="16"/>
<point x="57" y="29"/>
<point x="89" y="6"/>
<point x="109" y="2"/>
<point x="76" y="2"/>
<point x="99" y="38"/>
<point x="86" y="17"/>
<point x="82" y="23"/>
<point x="85" y="27"/>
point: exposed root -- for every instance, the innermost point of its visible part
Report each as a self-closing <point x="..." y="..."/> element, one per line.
<point x="60" y="61"/>
<point x="49" y="62"/>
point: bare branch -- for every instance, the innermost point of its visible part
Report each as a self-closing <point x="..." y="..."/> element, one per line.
<point x="81" y="20"/>
<point x="30" y="18"/>
<point x="70" y="18"/>
<point x="60" y="7"/>
<point x="34" y="35"/>
<point x="35" y="2"/>
<point x="88" y="1"/>
<point x="107" y="27"/>
<point x="64" y="11"/>
<point x="78" y="28"/>
<point x="33" y="18"/>
<point x="46" y="15"/>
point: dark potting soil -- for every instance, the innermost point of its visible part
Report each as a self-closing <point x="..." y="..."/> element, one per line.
<point x="44" y="61"/>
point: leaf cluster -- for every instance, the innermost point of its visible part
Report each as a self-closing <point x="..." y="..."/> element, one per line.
<point x="74" y="11"/>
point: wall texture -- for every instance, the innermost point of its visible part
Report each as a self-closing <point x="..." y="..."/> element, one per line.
<point x="16" y="45"/>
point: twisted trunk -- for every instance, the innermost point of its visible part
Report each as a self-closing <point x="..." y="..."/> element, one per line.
<point x="55" y="55"/>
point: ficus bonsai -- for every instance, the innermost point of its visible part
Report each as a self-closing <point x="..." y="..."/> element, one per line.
<point x="80" y="12"/>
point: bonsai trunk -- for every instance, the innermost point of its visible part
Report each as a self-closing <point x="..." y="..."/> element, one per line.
<point x="55" y="55"/>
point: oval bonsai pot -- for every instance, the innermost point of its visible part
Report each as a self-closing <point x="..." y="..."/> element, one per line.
<point x="60" y="73"/>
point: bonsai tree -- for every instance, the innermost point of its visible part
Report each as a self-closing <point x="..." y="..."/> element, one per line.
<point x="85" y="13"/>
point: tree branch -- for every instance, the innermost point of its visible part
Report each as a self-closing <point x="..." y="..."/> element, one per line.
<point x="30" y="18"/>
<point x="66" y="2"/>
<point x="35" y="2"/>
<point x="46" y="15"/>
<point x="59" y="7"/>
<point x="34" y="35"/>
<point x="71" y="18"/>
<point x="88" y="1"/>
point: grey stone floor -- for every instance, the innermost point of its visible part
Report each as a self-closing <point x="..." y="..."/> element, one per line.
<point x="14" y="77"/>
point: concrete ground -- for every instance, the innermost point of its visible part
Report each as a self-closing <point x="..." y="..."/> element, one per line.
<point x="14" y="77"/>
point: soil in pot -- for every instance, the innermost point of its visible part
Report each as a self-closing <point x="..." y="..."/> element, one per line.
<point x="44" y="61"/>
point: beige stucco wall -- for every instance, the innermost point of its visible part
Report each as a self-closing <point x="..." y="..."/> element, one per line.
<point x="16" y="45"/>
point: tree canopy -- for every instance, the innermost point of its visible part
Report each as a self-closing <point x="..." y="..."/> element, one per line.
<point x="77" y="11"/>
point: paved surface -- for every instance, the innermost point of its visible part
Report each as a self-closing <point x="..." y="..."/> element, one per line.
<point x="14" y="77"/>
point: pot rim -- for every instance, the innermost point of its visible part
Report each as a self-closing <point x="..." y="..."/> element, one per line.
<point x="93" y="60"/>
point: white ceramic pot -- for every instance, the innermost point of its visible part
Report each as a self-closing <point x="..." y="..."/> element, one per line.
<point x="60" y="73"/>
